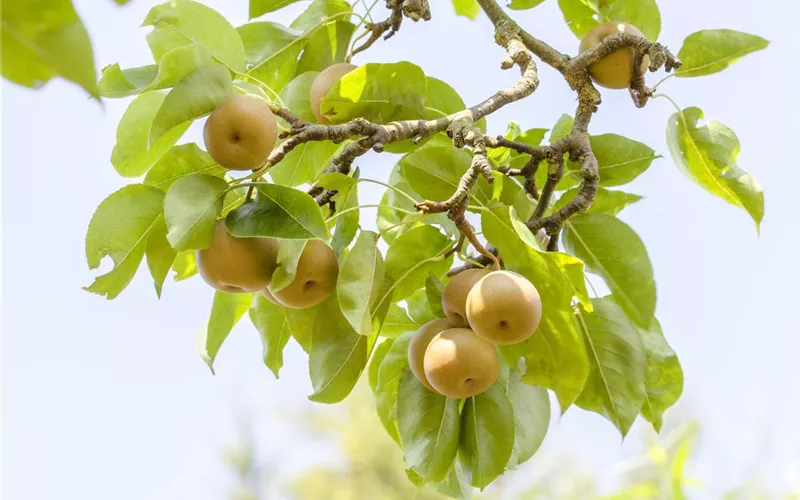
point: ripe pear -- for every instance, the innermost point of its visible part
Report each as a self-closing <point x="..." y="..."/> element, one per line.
<point x="454" y="295"/>
<point x="323" y="83"/>
<point x="237" y="265"/>
<point x="615" y="71"/>
<point x="419" y="343"/>
<point x="241" y="132"/>
<point x="317" y="272"/>
<point x="504" y="308"/>
<point x="459" y="364"/>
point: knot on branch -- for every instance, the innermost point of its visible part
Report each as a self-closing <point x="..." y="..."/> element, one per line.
<point x="417" y="9"/>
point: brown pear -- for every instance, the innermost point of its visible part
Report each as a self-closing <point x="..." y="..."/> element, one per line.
<point x="237" y="265"/>
<point x="614" y="71"/>
<point x="459" y="364"/>
<point x="504" y="308"/>
<point x="418" y="345"/>
<point x="323" y="83"/>
<point x="241" y="132"/>
<point x="454" y="295"/>
<point x="317" y="272"/>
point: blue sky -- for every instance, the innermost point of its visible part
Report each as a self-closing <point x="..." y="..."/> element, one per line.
<point x="110" y="400"/>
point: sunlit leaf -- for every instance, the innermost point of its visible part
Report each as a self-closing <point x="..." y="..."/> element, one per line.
<point x="664" y="375"/>
<point x="226" y="311"/>
<point x="191" y="208"/>
<point x="278" y="212"/>
<point x="710" y="51"/>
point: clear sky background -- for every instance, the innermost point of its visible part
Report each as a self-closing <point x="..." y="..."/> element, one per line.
<point x="108" y="399"/>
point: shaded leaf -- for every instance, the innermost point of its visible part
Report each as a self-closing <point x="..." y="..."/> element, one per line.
<point x="261" y="7"/>
<point x="487" y="436"/>
<point x="226" y="311"/>
<point x="160" y="254"/>
<point x="664" y="376"/>
<point x="326" y="45"/>
<point x="278" y="212"/>
<point x="615" y="387"/>
<point x="429" y="428"/>
<point x="359" y="281"/>
<point x="295" y="96"/>
<point x="273" y="327"/>
<point x="433" y="289"/>
<point x="613" y="251"/>
<point x="338" y="354"/>
<point x="289" y="252"/>
<point x="271" y="52"/>
<point x="531" y="417"/>
<point x="412" y="257"/>
<point x="397" y="322"/>
<point x="606" y="201"/>
<point x="191" y="208"/>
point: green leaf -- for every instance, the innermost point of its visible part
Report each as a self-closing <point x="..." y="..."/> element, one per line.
<point x="226" y="311"/>
<point x="429" y="428"/>
<point x="613" y="251"/>
<point x="278" y="212"/>
<point x="643" y="14"/>
<point x="176" y="65"/>
<point x="317" y="11"/>
<point x="487" y="436"/>
<point x="195" y="96"/>
<point x="580" y="15"/>
<point x="397" y="322"/>
<point x="514" y="195"/>
<point x="360" y="277"/>
<point x="710" y="51"/>
<point x="181" y="23"/>
<point x="289" y="253"/>
<point x="621" y="160"/>
<point x="295" y="96"/>
<point x="531" y="417"/>
<point x="532" y="137"/>
<point x="273" y="326"/>
<point x="385" y="398"/>
<point x="377" y="92"/>
<point x="524" y="4"/>
<point x="160" y="254"/>
<point x="467" y="8"/>
<point x="419" y="309"/>
<point x="562" y="128"/>
<point x="338" y="354"/>
<point x="45" y="39"/>
<point x="346" y="225"/>
<point x="185" y="265"/>
<point x="304" y="164"/>
<point x="605" y="202"/>
<point x="327" y="45"/>
<point x="119" y="229"/>
<point x="441" y="100"/>
<point x="133" y="155"/>
<point x="434" y="172"/>
<point x="411" y="258"/>
<point x="664" y="376"/>
<point x="191" y="208"/>
<point x="433" y="289"/>
<point x="379" y="354"/>
<point x="456" y="485"/>
<point x="271" y="52"/>
<point x="180" y="162"/>
<point x="554" y="356"/>
<point x="261" y="7"/>
<point x="707" y="154"/>
<point x="394" y="362"/>
<point x="615" y="387"/>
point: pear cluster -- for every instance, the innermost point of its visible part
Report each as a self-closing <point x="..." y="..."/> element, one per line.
<point x="614" y="71"/>
<point x="239" y="135"/>
<point x="456" y="356"/>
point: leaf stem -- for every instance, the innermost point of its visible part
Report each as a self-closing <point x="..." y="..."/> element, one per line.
<point x="388" y="186"/>
<point x="357" y="207"/>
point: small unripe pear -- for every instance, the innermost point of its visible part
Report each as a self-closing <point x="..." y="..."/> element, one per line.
<point x="419" y="344"/>
<point x="615" y="71"/>
<point x="241" y="132"/>
<point x="459" y="364"/>
<point x="454" y="295"/>
<point x="317" y="272"/>
<point x="323" y="83"/>
<point x="237" y="265"/>
<point x="504" y="308"/>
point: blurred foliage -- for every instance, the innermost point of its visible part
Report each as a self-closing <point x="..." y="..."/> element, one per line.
<point x="370" y="466"/>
